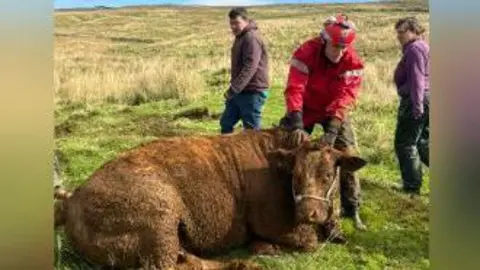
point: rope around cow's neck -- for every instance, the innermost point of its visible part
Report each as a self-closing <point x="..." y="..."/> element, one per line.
<point x="299" y="198"/>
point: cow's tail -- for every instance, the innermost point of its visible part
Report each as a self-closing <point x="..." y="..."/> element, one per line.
<point x="60" y="208"/>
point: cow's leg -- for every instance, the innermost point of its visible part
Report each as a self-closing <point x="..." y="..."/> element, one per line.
<point x="264" y="248"/>
<point x="303" y="238"/>
<point x="332" y="232"/>
<point x="188" y="261"/>
<point x="161" y="245"/>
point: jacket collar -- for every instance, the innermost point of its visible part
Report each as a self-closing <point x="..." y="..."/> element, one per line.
<point x="250" y="26"/>
<point x="409" y="44"/>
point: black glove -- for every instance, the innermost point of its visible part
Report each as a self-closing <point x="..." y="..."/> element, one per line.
<point x="331" y="131"/>
<point x="328" y="138"/>
<point x="292" y="121"/>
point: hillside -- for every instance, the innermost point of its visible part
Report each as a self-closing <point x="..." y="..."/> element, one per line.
<point x="122" y="75"/>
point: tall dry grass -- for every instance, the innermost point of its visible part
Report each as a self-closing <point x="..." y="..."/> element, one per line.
<point x="134" y="56"/>
<point x="132" y="82"/>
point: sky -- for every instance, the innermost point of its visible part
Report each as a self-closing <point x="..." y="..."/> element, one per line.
<point x="117" y="3"/>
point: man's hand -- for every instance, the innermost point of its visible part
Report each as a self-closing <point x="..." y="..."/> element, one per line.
<point x="297" y="137"/>
<point x="292" y="121"/>
<point x="228" y="94"/>
<point x="331" y="131"/>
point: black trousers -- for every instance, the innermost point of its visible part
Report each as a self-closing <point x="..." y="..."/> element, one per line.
<point x="412" y="143"/>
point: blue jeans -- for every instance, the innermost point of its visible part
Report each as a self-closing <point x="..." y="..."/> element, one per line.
<point x="246" y="106"/>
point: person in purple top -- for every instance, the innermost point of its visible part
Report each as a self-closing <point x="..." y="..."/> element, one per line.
<point x="412" y="81"/>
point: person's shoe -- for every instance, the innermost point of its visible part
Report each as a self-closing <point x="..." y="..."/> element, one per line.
<point x="359" y="225"/>
<point x="354" y="215"/>
<point x="410" y="191"/>
<point x="397" y="187"/>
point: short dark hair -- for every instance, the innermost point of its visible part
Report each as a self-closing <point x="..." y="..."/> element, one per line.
<point x="238" y="11"/>
<point x="410" y="24"/>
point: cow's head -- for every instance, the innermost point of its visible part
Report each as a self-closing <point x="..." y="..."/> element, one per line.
<point x="313" y="168"/>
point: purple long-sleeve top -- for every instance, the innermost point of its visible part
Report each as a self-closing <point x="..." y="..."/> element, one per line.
<point x="412" y="74"/>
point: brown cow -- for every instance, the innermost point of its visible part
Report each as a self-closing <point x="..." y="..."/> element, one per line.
<point x="202" y="195"/>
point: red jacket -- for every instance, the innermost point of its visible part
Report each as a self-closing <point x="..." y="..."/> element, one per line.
<point x="319" y="88"/>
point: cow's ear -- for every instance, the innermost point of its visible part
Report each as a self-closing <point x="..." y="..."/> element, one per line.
<point x="282" y="158"/>
<point x="351" y="163"/>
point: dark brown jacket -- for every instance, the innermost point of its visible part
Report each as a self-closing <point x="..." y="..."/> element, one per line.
<point x="249" y="61"/>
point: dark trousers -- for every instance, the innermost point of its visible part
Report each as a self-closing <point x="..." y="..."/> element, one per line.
<point x="412" y="143"/>
<point x="246" y="106"/>
<point x="349" y="183"/>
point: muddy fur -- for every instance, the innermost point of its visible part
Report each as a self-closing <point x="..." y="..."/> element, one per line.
<point x="203" y="195"/>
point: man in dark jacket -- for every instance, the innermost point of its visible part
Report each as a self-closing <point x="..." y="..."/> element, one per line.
<point x="249" y="75"/>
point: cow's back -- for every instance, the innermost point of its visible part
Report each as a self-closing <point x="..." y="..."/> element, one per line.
<point x="206" y="172"/>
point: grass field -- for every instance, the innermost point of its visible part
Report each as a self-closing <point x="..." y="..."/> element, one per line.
<point x="121" y="76"/>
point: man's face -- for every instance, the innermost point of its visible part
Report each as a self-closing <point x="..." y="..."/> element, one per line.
<point x="333" y="52"/>
<point x="237" y="25"/>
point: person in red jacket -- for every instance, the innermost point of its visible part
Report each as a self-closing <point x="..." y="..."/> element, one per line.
<point x="323" y="82"/>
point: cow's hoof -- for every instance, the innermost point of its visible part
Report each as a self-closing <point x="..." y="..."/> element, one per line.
<point x="339" y="239"/>
<point x="333" y="233"/>
<point x="308" y="247"/>
<point x="265" y="249"/>
<point x="182" y="257"/>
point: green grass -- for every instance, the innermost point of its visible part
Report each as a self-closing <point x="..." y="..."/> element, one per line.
<point x="398" y="226"/>
<point x="114" y="71"/>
